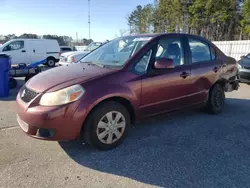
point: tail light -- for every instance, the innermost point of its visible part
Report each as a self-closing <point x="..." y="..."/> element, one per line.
<point x="60" y="54"/>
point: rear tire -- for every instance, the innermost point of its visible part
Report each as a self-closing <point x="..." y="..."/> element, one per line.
<point x="106" y="126"/>
<point x="216" y="99"/>
<point x="12" y="83"/>
<point x="51" y="62"/>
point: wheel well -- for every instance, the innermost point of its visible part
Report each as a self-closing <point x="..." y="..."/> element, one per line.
<point x="123" y="102"/>
<point x="222" y="82"/>
<point x="51" y="57"/>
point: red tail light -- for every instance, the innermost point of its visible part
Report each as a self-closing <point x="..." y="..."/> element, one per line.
<point x="60" y="54"/>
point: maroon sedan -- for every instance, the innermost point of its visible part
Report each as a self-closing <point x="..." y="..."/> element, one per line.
<point x="129" y="78"/>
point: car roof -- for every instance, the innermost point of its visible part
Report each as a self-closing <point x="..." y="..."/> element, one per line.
<point x="32" y="39"/>
<point x="164" y="34"/>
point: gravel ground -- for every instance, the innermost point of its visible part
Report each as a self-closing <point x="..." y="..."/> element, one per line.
<point x="188" y="149"/>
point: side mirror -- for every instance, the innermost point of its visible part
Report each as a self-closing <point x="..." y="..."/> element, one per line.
<point x="242" y="57"/>
<point x="164" y="63"/>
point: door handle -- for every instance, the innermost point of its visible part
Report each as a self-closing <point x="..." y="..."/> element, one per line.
<point x="23" y="50"/>
<point x="215" y="69"/>
<point x="34" y="51"/>
<point x="184" y="75"/>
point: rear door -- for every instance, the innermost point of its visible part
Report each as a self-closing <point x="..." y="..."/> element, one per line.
<point x="37" y="50"/>
<point x="205" y="67"/>
<point x="169" y="89"/>
<point x="52" y="49"/>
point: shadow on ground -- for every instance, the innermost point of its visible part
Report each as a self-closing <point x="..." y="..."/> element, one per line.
<point x="191" y="149"/>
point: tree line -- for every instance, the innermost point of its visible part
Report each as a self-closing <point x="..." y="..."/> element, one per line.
<point x="62" y="40"/>
<point x="213" y="19"/>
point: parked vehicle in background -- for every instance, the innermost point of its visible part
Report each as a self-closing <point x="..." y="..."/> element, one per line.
<point x="32" y="50"/>
<point x="244" y="68"/>
<point x="73" y="57"/>
<point x="129" y="78"/>
<point x="64" y="49"/>
<point x="92" y="46"/>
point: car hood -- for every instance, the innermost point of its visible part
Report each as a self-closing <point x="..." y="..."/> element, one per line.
<point x="64" y="76"/>
<point x="67" y="54"/>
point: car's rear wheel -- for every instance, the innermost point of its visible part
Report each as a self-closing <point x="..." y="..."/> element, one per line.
<point x="216" y="99"/>
<point x="106" y="126"/>
<point x="51" y="62"/>
<point x="12" y="83"/>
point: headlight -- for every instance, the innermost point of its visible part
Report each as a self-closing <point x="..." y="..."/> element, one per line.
<point x="62" y="96"/>
<point x="71" y="60"/>
<point x="239" y="66"/>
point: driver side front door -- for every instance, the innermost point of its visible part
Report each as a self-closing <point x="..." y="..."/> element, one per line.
<point x="168" y="89"/>
<point x="18" y="52"/>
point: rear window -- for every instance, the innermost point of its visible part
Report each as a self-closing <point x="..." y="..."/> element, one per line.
<point x="66" y="49"/>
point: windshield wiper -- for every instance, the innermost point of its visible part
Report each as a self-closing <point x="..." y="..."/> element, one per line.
<point x="92" y="63"/>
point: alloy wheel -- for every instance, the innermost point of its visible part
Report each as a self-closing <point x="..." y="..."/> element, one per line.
<point x="218" y="99"/>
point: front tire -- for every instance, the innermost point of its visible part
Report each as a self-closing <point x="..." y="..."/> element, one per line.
<point x="106" y="126"/>
<point x="216" y="99"/>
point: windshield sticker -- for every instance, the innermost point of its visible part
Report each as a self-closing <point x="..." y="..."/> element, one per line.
<point x="142" y="39"/>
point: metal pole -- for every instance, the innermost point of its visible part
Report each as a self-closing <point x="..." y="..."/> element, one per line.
<point x="89" y="16"/>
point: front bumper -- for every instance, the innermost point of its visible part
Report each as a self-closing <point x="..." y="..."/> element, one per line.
<point x="64" y="63"/>
<point x="61" y="123"/>
<point x="244" y="75"/>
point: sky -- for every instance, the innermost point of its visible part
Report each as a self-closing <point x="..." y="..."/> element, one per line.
<point x="61" y="17"/>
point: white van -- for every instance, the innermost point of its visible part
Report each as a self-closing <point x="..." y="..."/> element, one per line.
<point x="32" y="50"/>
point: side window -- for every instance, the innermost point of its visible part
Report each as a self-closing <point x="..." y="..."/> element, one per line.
<point x="248" y="56"/>
<point x="142" y="65"/>
<point x="16" y="45"/>
<point x="213" y="53"/>
<point x="200" y="51"/>
<point x="171" y="48"/>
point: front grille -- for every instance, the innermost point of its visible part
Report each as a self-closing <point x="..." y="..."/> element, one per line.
<point x="27" y="95"/>
<point x="63" y="59"/>
<point x="246" y="68"/>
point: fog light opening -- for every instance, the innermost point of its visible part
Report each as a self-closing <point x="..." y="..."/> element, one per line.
<point x="45" y="133"/>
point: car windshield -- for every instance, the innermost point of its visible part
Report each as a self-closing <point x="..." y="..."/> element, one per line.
<point x="117" y="51"/>
<point x="93" y="46"/>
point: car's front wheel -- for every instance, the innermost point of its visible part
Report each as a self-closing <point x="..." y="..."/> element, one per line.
<point x="216" y="99"/>
<point x="106" y="126"/>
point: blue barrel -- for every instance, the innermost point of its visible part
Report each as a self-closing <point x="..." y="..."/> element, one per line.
<point x="4" y="75"/>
